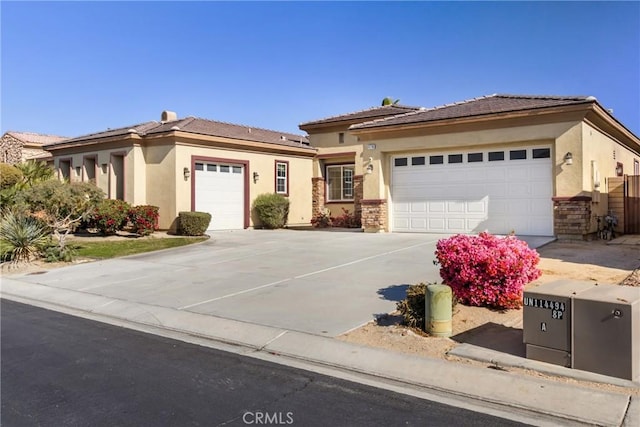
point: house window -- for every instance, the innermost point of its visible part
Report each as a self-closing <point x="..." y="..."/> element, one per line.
<point x="199" y="166"/>
<point x="496" y="156"/>
<point x="417" y="161"/>
<point x="340" y="182"/>
<point x="402" y="161"/>
<point x="341" y="138"/>
<point x="541" y="153"/>
<point x="282" y="177"/>
<point x="474" y="157"/>
<point x="210" y="168"/>
<point x="636" y="167"/>
<point x="517" y="154"/>
<point x="436" y="160"/>
<point x="455" y="158"/>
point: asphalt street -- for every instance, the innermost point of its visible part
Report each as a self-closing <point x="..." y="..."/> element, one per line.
<point x="60" y="370"/>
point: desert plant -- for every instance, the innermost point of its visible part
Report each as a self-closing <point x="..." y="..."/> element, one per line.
<point x="193" y="223"/>
<point x="55" y="253"/>
<point x="412" y="307"/>
<point x="346" y="220"/>
<point x="9" y="176"/>
<point x="34" y="172"/>
<point x="487" y="270"/>
<point x="110" y="216"/>
<point x="23" y="237"/>
<point x="322" y="219"/>
<point x="61" y="205"/>
<point x="272" y="210"/>
<point x="144" y="219"/>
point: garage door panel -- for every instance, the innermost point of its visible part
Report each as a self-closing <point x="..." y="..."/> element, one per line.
<point x="220" y="191"/>
<point x="498" y="196"/>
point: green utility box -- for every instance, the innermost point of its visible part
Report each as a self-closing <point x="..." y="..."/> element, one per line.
<point x="438" y="310"/>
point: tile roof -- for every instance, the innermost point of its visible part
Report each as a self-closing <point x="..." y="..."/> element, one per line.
<point x="370" y="113"/>
<point x="492" y="104"/>
<point x="36" y="138"/>
<point x="202" y="127"/>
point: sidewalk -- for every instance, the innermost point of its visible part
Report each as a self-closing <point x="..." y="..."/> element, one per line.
<point x="531" y="400"/>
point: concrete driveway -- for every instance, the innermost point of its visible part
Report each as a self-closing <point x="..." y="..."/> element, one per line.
<point x="311" y="281"/>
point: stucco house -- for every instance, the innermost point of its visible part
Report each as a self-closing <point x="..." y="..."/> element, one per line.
<point x="533" y="165"/>
<point x="16" y="147"/>
<point x="193" y="164"/>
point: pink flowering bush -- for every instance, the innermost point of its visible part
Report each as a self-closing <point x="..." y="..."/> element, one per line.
<point x="486" y="270"/>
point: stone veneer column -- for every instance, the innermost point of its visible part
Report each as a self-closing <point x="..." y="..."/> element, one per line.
<point x="357" y="196"/>
<point x="317" y="196"/>
<point x="374" y="215"/>
<point x="572" y="217"/>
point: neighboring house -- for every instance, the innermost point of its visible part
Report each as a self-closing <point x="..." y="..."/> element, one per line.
<point x="193" y="164"/>
<point x="16" y="147"/>
<point x="534" y="165"/>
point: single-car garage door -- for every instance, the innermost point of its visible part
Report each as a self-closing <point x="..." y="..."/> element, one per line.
<point x="219" y="190"/>
<point x="471" y="191"/>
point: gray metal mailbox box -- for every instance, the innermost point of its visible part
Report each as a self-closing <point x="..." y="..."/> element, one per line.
<point x="606" y="331"/>
<point x="547" y="320"/>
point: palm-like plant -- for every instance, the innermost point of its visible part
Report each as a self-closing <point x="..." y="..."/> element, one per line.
<point x="389" y="101"/>
<point x="22" y="237"/>
<point x="34" y="172"/>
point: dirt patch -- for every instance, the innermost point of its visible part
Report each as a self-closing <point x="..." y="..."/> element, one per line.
<point x="590" y="261"/>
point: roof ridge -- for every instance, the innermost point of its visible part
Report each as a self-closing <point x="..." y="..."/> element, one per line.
<point x="35" y="133"/>
<point x="335" y="116"/>
<point x="558" y="97"/>
<point x="247" y="126"/>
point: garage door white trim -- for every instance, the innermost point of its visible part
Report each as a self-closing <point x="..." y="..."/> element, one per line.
<point x="468" y="191"/>
<point x="221" y="187"/>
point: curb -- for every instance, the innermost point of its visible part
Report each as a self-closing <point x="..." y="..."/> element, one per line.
<point x="543" y="398"/>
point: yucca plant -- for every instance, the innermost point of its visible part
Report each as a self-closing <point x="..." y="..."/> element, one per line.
<point x="23" y="237"/>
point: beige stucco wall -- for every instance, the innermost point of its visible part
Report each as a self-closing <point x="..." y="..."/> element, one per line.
<point x="599" y="147"/>
<point x="161" y="178"/>
<point x="103" y="157"/>
<point x="300" y="172"/>
<point x="377" y="184"/>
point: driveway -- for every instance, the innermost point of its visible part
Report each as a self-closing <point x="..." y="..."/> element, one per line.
<point x="311" y="281"/>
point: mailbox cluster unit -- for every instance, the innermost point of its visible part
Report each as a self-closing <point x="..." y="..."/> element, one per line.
<point x="583" y="325"/>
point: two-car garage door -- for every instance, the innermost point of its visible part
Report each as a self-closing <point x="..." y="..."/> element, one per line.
<point x="219" y="190"/>
<point x="499" y="190"/>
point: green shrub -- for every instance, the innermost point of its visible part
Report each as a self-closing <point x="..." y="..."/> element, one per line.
<point x="59" y="200"/>
<point x="144" y="219"/>
<point x="272" y="210"/>
<point x="9" y="176"/>
<point x="23" y="237"/>
<point x="111" y="215"/>
<point x="193" y="223"/>
<point x="55" y="253"/>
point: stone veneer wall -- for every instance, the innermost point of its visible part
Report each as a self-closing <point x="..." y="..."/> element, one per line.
<point x="317" y="196"/>
<point x="374" y="215"/>
<point x="572" y="217"/>
<point x="357" y="196"/>
<point x="10" y="150"/>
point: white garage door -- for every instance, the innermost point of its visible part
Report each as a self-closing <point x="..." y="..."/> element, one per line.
<point x="472" y="191"/>
<point x="220" y="191"/>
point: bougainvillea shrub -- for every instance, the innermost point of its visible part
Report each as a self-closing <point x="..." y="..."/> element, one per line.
<point x="144" y="219"/>
<point x="111" y="216"/>
<point x="487" y="270"/>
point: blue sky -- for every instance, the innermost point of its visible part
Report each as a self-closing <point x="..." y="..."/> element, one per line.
<point x="80" y="67"/>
